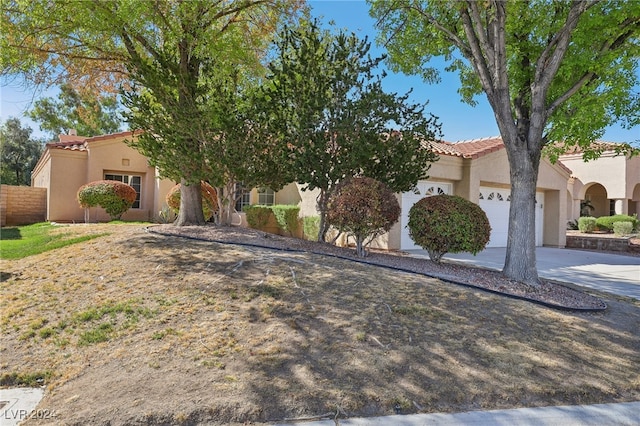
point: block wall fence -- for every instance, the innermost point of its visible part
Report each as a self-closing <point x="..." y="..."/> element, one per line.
<point x="22" y="205"/>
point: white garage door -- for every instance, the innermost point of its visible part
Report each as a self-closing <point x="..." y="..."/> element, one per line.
<point x="425" y="189"/>
<point x="495" y="203"/>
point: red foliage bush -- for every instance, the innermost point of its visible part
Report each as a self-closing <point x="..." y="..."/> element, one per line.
<point x="115" y="197"/>
<point x="364" y="208"/>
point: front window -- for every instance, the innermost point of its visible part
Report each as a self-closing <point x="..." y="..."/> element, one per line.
<point x="132" y="180"/>
<point x="266" y="197"/>
<point x="243" y="197"/>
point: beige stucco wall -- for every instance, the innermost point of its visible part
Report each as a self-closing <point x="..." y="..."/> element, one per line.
<point x="68" y="173"/>
<point x="610" y="177"/>
<point x="113" y="156"/>
<point x="608" y="170"/>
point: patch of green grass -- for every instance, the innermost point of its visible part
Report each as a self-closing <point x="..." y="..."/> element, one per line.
<point x="22" y="241"/>
<point x="25" y="379"/>
<point x="101" y="333"/>
<point x="122" y="315"/>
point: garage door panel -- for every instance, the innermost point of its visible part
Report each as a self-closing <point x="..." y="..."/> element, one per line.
<point x="496" y="203"/>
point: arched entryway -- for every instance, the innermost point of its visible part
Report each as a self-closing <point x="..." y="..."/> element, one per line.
<point x="595" y="201"/>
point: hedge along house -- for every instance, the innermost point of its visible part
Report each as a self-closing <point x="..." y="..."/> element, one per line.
<point x="76" y="160"/>
<point x="610" y="184"/>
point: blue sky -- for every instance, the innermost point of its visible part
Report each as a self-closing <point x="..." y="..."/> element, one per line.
<point x="459" y="121"/>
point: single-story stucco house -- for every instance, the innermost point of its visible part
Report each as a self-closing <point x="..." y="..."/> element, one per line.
<point x="476" y="170"/>
<point x="76" y="160"/>
<point x="611" y="183"/>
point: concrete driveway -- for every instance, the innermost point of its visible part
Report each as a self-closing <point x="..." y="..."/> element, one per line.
<point x="618" y="274"/>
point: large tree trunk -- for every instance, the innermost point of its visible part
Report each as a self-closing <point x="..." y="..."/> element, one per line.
<point x="190" y="205"/>
<point x="520" y="261"/>
<point x="323" y="228"/>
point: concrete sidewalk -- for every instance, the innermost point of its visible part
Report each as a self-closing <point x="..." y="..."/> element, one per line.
<point x="618" y="274"/>
<point x="623" y="414"/>
<point x="18" y="404"/>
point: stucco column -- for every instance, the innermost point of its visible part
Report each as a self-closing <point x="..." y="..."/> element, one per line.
<point x="620" y="206"/>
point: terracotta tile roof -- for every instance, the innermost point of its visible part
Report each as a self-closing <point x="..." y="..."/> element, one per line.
<point x="476" y="148"/>
<point x="112" y="136"/>
<point x="600" y="146"/>
<point x="71" y="146"/>
<point x="473" y="148"/>
<point x="80" y="143"/>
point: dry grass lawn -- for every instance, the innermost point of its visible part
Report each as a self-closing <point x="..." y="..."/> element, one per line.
<point x="137" y="328"/>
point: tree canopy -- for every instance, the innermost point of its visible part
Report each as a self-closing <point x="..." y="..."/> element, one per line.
<point x="89" y="115"/>
<point x="20" y="153"/>
<point x="166" y="56"/>
<point x="552" y="72"/>
<point x="325" y="103"/>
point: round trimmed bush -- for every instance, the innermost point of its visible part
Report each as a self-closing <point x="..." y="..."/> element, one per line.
<point x="209" y="199"/>
<point x="113" y="196"/>
<point x="587" y="224"/>
<point x="605" y="223"/>
<point x="362" y="207"/>
<point x="622" y="228"/>
<point x="448" y="224"/>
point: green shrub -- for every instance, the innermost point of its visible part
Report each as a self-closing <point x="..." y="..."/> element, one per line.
<point x="115" y="197"/>
<point x="364" y="208"/>
<point x="311" y="227"/>
<point x="209" y="200"/>
<point x="587" y="224"/>
<point x="622" y="228"/>
<point x="287" y="217"/>
<point x="605" y="223"/>
<point x="448" y="224"/>
<point x="257" y="216"/>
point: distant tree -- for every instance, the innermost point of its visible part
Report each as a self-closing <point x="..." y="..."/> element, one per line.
<point x="552" y="71"/>
<point x="364" y="208"/>
<point x="20" y="153"/>
<point x="89" y="115"/>
<point x="323" y="101"/>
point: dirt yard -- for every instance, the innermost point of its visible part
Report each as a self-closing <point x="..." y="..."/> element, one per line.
<point x="147" y="329"/>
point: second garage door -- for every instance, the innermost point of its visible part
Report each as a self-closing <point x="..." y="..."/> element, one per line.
<point x="495" y="202"/>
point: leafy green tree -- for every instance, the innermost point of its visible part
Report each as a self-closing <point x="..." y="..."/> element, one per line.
<point x="166" y="57"/>
<point x="551" y="71"/>
<point x="89" y="115"/>
<point x="20" y="153"/>
<point x="235" y="147"/>
<point x="323" y="101"/>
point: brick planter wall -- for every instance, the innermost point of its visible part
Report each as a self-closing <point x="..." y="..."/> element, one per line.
<point x="595" y="243"/>
<point x="22" y="205"/>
